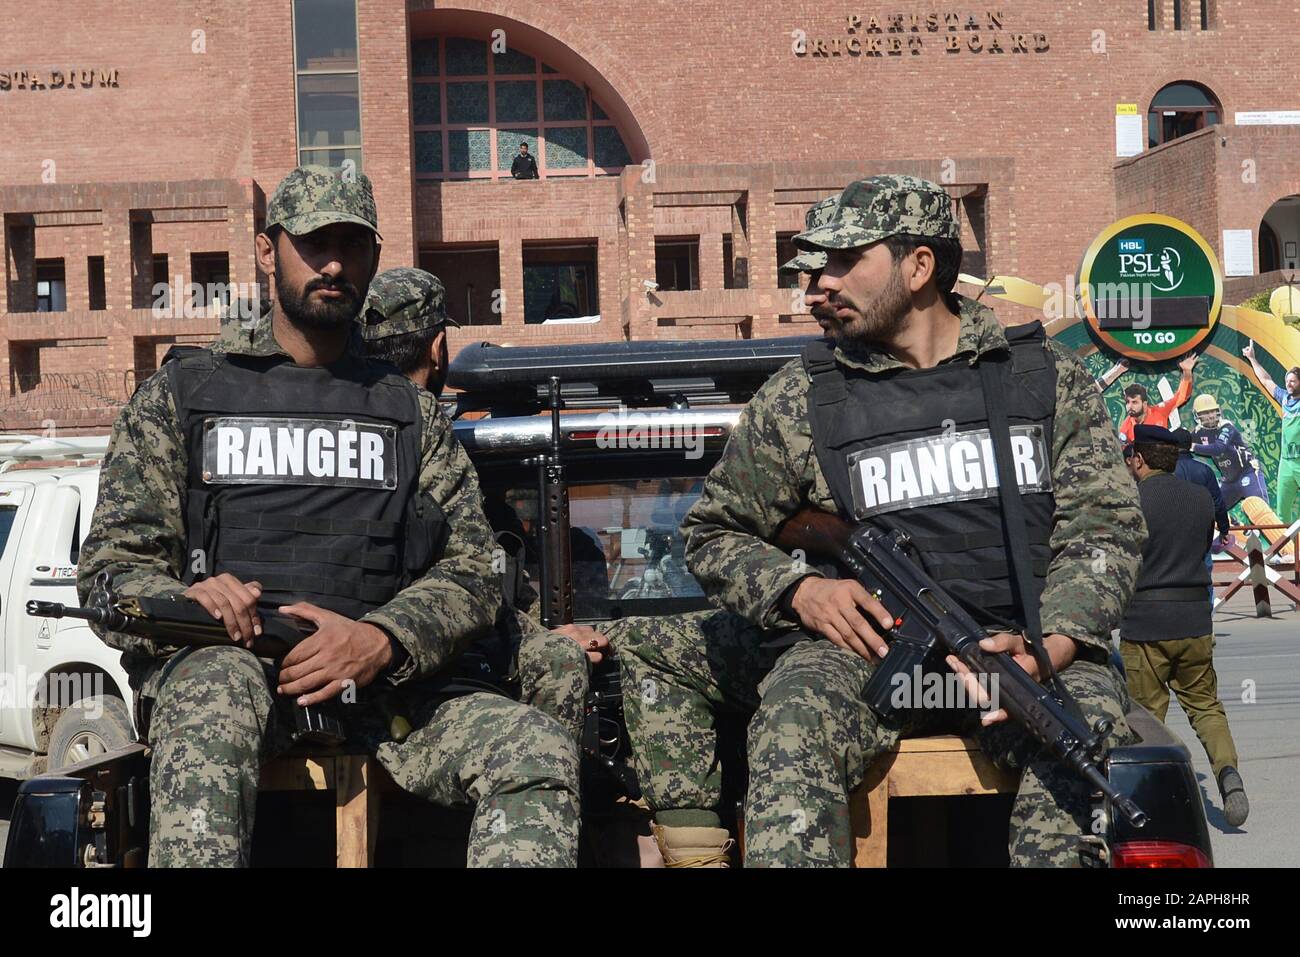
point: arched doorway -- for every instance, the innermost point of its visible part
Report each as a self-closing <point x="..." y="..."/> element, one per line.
<point x="474" y="101"/>
<point x="1178" y="109"/>
<point x="1270" y="255"/>
<point x="1279" y="235"/>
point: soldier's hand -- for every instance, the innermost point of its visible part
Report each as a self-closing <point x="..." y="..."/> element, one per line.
<point x="834" y="609"/>
<point x="1060" y="649"/>
<point x="593" y="642"/>
<point x="340" y="650"/>
<point x="231" y="602"/>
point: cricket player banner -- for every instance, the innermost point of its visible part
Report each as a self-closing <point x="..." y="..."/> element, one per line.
<point x="1147" y="317"/>
<point x="1151" y="291"/>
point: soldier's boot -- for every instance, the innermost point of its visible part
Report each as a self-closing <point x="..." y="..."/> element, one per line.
<point x="1236" y="807"/>
<point x="693" y="846"/>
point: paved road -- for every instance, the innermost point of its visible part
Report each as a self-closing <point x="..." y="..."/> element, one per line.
<point x="1265" y="652"/>
<point x="1260" y="656"/>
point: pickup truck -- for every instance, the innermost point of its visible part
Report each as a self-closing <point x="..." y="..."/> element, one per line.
<point x="65" y="696"/>
<point x="644" y="424"/>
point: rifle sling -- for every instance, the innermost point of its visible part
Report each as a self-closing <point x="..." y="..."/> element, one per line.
<point x="1013" y="520"/>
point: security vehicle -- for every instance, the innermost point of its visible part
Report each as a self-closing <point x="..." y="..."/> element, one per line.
<point x="589" y="456"/>
<point x="65" y="696"/>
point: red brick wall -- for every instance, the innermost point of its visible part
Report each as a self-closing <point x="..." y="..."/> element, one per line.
<point x="1215" y="179"/>
<point x="719" y="101"/>
<point x="175" y="114"/>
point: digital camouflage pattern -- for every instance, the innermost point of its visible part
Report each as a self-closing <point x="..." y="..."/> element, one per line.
<point x="873" y="209"/>
<point x="678" y="673"/>
<point x="214" y="716"/>
<point x="813" y="738"/>
<point x="314" y="196"/>
<point x="137" y="533"/>
<point x="216" y="720"/>
<point x="768" y="471"/>
<point x="403" y="300"/>
<point x="812" y="260"/>
<point x="553" y="674"/>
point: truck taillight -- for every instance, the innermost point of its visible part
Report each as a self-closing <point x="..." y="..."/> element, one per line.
<point x="1157" y="854"/>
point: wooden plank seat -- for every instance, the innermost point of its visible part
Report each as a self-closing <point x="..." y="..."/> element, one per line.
<point x="358" y="782"/>
<point x="940" y="766"/>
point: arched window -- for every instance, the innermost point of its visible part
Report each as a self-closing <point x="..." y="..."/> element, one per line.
<point x="472" y="108"/>
<point x="1179" y="109"/>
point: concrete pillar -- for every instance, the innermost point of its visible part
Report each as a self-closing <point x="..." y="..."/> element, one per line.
<point x="511" y="253"/>
<point x="760" y="211"/>
<point x="711" y="265"/>
<point x="639" y="232"/>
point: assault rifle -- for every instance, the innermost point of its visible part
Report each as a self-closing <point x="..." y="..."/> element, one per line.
<point x="185" y="623"/>
<point x="928" y="625"/>
<point x="555" y="565"/>
<point x="603" y="708"/>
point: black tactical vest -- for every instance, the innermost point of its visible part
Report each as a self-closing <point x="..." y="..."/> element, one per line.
<point x="304" y="479"/>
<point x="909" y="449"/>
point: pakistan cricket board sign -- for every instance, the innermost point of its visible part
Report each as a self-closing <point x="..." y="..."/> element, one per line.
<point x="1151" y="287"/>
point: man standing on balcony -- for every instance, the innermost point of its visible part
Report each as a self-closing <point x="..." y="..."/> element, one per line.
<point x="524" y="166"/>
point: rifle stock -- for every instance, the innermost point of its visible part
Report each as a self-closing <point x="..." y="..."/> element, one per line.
<point x="815" y="532"/>
<point x="184" y="623"/>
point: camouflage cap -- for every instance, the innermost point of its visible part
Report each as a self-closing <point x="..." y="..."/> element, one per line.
<point x="873" y="209"/>
<point x="819" y="214"/>
<point x="314" y="196"/>
<point x="403" y="300"/>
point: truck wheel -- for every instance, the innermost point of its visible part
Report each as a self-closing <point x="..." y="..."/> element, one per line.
<point x="78" y="736"/>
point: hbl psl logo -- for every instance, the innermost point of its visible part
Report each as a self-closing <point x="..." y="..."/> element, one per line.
<point x="1164" y="270"/>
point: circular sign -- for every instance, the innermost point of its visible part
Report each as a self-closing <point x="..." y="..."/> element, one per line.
<point x="1150" y="287"/>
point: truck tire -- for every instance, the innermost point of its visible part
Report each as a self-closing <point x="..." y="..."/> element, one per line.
<point x="78" y="736"/>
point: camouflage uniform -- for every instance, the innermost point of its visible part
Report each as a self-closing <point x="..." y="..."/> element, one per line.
<point x="213" y="715"/>
<point x="811" y="260"/>
<point x="680" y="673"/>
<point x="812" y="738"/>
<point x="551" y="667"/>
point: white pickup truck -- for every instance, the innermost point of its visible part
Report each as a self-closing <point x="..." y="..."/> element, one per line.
<point x="63" y="694"/>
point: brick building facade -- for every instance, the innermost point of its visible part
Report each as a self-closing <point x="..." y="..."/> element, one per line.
<point x="678" y="147"/>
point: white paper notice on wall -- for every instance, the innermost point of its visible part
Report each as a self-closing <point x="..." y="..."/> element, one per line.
<point x="1238" y="252"/>
<point x="1128" y="130"/>
<point x="1268" y="118"/>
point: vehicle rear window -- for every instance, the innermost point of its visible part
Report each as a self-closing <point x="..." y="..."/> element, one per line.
<point x="7" y="515"/>
<point x="627" y="548"/>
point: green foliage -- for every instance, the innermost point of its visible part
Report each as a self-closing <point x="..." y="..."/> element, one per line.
<point x="1258" y="302"/>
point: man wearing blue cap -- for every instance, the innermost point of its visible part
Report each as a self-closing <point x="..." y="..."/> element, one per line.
<point x="1166" y="636"/>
